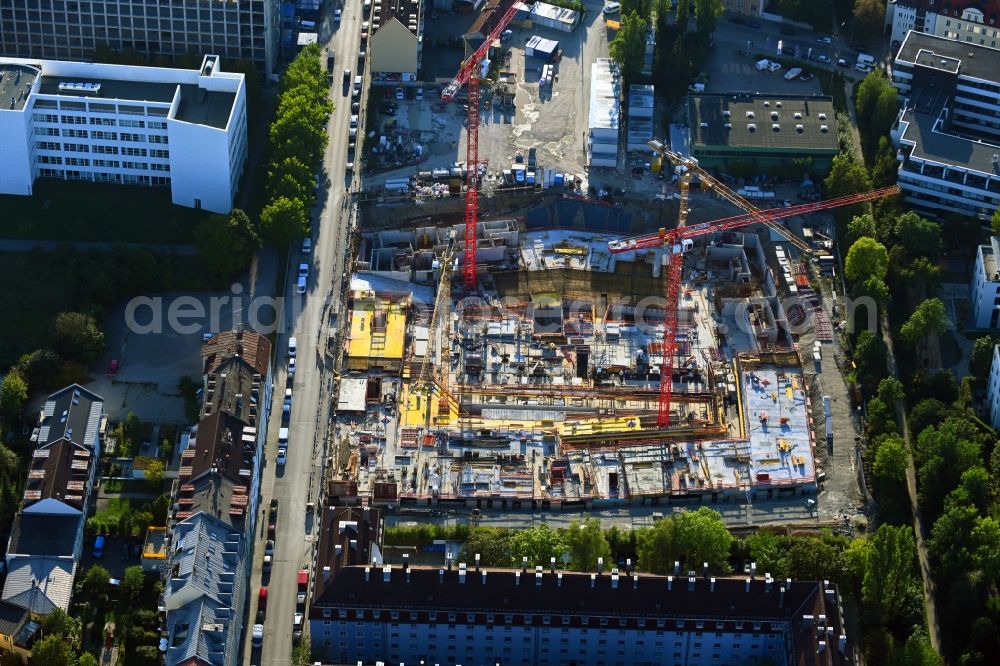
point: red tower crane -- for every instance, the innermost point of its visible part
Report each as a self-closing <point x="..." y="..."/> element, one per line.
<point x="674" y="238"/>
<point x="469" y="74"/>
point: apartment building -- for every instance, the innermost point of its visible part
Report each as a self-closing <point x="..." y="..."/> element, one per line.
<point x="75" y="29"/>
<point x="948" y="132"/>
<point x="986" y="286"/>
<point x="46" y="539"/>
<point x="993" y="388"/>
<point x="397" y="43"/>
<point x="210" y="537"/>
<point x="149" y="126"/>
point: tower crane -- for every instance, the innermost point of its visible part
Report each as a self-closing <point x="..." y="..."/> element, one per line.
<point x="472" y="70"/>
<point x="680" y="238"/>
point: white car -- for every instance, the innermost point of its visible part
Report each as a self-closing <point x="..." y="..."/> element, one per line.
<point x="336" y="16"/>
<point x="354" y="122"/>
<point x="281" y="457"/>
<point x="304" y="270"/>
<point x="399" y="93"/>
<point x="258" y="635"/>
<point x="307" y="245"/>
<point x="824" y="40"/>
<point x="824" y="59"/>
<point x="291" y="366"/>
<point x="292" y="346"/>
<point x="774" y="66"/>
<point x="612" y="7"/>
<point x="420" y="95"/>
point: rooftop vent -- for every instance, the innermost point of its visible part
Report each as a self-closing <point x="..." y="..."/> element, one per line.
<point x="774" y="115"/>
<point x="750" y="113"/>
<point x="725" y="114"/>
<point x="751" y="128"/>
<point x="799" y="129"/>
<point x="798" y="116"/>
<point x="775" y="127"/>
<point x="824" y="129"/>
<point x="778" y="104"/>
<point x="728" y="126"/>
<point x="822" y="116"/>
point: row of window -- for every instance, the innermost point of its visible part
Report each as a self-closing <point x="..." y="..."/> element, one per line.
<point x="104" y="177"/>
<point x="104" y="122"/>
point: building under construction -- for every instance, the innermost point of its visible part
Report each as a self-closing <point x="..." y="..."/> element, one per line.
<point x="541" y="389"/>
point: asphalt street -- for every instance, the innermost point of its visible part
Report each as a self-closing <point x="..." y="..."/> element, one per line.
<point x="305" y="317"/>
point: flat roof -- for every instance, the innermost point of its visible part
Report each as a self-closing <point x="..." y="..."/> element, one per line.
<point x="778" y="426"/>
<point x="352" y="394"/>
<point x="605" y="94"/>
<point x="15" y="83"/>
<point x="197" y="105"/>
<point x="940" y="147"/>
<point x="386" y="340"/>
<point x="965" y="58"/>
<point x="804" y="123"/>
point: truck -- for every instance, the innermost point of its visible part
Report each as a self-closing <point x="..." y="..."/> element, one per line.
<point x="793" y="73"/>
<point x="865" y="59"/>
<point x="762" y="64"/>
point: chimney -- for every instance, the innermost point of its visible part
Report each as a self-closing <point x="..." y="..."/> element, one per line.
<point x="781" y="597"/>
<point x="600" y="565"/>
<point x="477" y="562"/>
<point x="440" y="575"/>
<point x="822" y="620"/>
<point x="628" y="566"/>
<point x="538" y="576"/>
<point x="484" y="578"/>
<point x="448" y="560"/>
<point x="748" y="586"/>
<point x="517" y="578"/>
<point x="461" y="573"/>
<point x="635" y="582"/>
<point x="704" y="569"/>
<point x="326" y="574"/>
<point x="593" y="581"/>
<point x="788" y="584"/>
<point x="831" y="594"/>
<point x="821" y="647"/>
<point x="552" y="564"/>
<point x="807" y="621"/>
<point x="406" y="561"/>
<point x="614" y="579"/>
<point x="691" y="580"/>
<point x="711" y="584"/>
<point x="524" y="564"/>
<point x="386" y="573"/>
<point x="670" y="583"/>
<point x="842" y="643"/>
<point x="753" y="570"/>
<point x="677" y="567"/>
<point x="767" y="582"/>
<point x="368" y="574"/>
<point x="559" y="579"/>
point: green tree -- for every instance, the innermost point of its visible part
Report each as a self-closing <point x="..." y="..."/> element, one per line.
<point x="154" y="472"/>
<point x="928" y="319"/>
<point x="13" y="395"/>
<point x="917" y="651"/>
<point x="881" y="418"/>
<point x="656" y="547"/>
<point x="132" y="583"/>
<point x="986" y="542"/>
<point x="40" y="368"/>
<point x="770" y="552"/>
<point x="919" y="236"/>
<point x="77" y="336"/>
<point x="283" y="220"/>
<point x="874" y="288"/>
<point x="67" y="628"/>
<point x="866" y="258"/>
<point x="889" y="573"/>
<point x="951" y="543"/>
<point x="87" y="659"/>
<point x="870" y="359"/>
<point x="862" y="225"/>
<point x="847" y="176"/>
<point x="226" y="243"/>
<point x="291" y="178"/>
<point x="890" y="390"/>
<point x="586" y="542"/>
<point x="981" y="359"/>
<point x="701" y="536"/>
<point x="812" y="558"/>
<point x="886" y="169"/>
<point x="492" y="545"/>
<point x="52" y="651"/>
<point x="705" y="14"/>
<point x="891" y="460"/>
<point x="943" y="453"/>
<point x="869" y="16"/>
<point x="995" y="222"/>
<point x="629" y="46"/>
<point x="97" y="586"/>
<point x="927" y="412"/>
<point x="539" y="544"/>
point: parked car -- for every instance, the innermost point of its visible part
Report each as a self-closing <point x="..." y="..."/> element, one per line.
<point x="270" y="531"/>
<point x="399" y="93"/>
<point x="824" y="40"/>
<point x="307" y="245"/>
<point x="354" y="122"/>
<point x="773" y="66"/>
<point x="753" y="24"/>
<point x="842" y="63"/>
<point x="806" y="76"/>
<point x="258" y="635"/>
<point x="420" y="94"/>
<point x="823" y="58"/>
<point x="304" y="270"/>
<point x="336" y="15"/>
<point x="612" y="8"/>
<point x="291" y="366"/>
<point x="292" y="345"/>
<point x="268" y="548"/>
<point x="286" y="409"/>
<point x="282" y="457"/>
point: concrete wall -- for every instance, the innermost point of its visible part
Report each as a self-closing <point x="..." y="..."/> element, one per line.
<point x="394" y="49"/>
<point x="17" y="151"/>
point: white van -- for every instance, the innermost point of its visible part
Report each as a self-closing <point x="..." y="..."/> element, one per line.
<point x="863" y="67"/>
<point x="292" y="346"/>
<point x="866" y="59"/>
<point x="612" y="8"/>
<point x="282" y="436"/>
<point x="762" y="64"/>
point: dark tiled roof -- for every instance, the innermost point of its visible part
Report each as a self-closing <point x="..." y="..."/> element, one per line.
<point x="252" y="347"/>
<point x="72" y="413"/>
<point x="217" y="469"/>
<point x="11" y="618"/>
<point x="490" y="15"/>
<point x="339" y="527"/>
<point x="59" y="470"/>
<point x="401" y="10"/>
<point x="44" y="534"/>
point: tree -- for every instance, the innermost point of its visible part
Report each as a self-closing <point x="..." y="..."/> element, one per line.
<point x="986" y="542"/>
<point x="869" y="15"/>
<point x="870" y="358"/>
<point x="97" y="586"/>
<point x="928" y="319"/>
<point x="917" y="651"/>
<point x="861" y="225"/>
<point x="890" y="390"/>
<point x="586" y="543"/>
<point x="283" y="220"/>
<point x="87" y="659"/>
<point x="705" y="14"/>
<point x="539" y="544"/>
<point x="962" y="231"/>
<point x="811" y="558"/>
<point x="769" y="551"/>
<point x="881" y="418"/>
<point x="874" y="288"/>
<point x="891" y="460"/>
<point x="919" y="236"/>
<point x="13" y="395"/>
<point x="866" y="258"/>
<point x="847" y="176"/>
<point x="291" y="178"/>
<point x="227" y="243"/>
<point x="154" y="472"/>
<point x="77" y="336"/>
<point x="492" y="545"/>
<point x="885" y="172"/>
<point x="951" y="541"/>
<point x="701" y="536"/>
<point x="656" y="547"/>
<point x="943" y="453"/>
<point x="40" y="368"/>
<point x="132" y="583"/>
<point x="995" y="222"/>
<point x="628" y="47"/>
<point x="981" y="359"/>
<point x="889" y="573"/>
<point x="52" y="651"/>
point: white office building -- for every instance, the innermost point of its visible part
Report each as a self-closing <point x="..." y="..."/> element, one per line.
<point x="986" y="286"/>
<point x="993" y="388"/>
<point x="159" y="127"/>
<point x="605" y="113"/>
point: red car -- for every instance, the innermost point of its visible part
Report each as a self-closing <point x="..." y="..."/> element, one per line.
<point x="270" y="531"/>
<point x="113" y="368"/>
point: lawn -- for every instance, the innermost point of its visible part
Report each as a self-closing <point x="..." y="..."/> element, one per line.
<point x="78" y="211"/>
